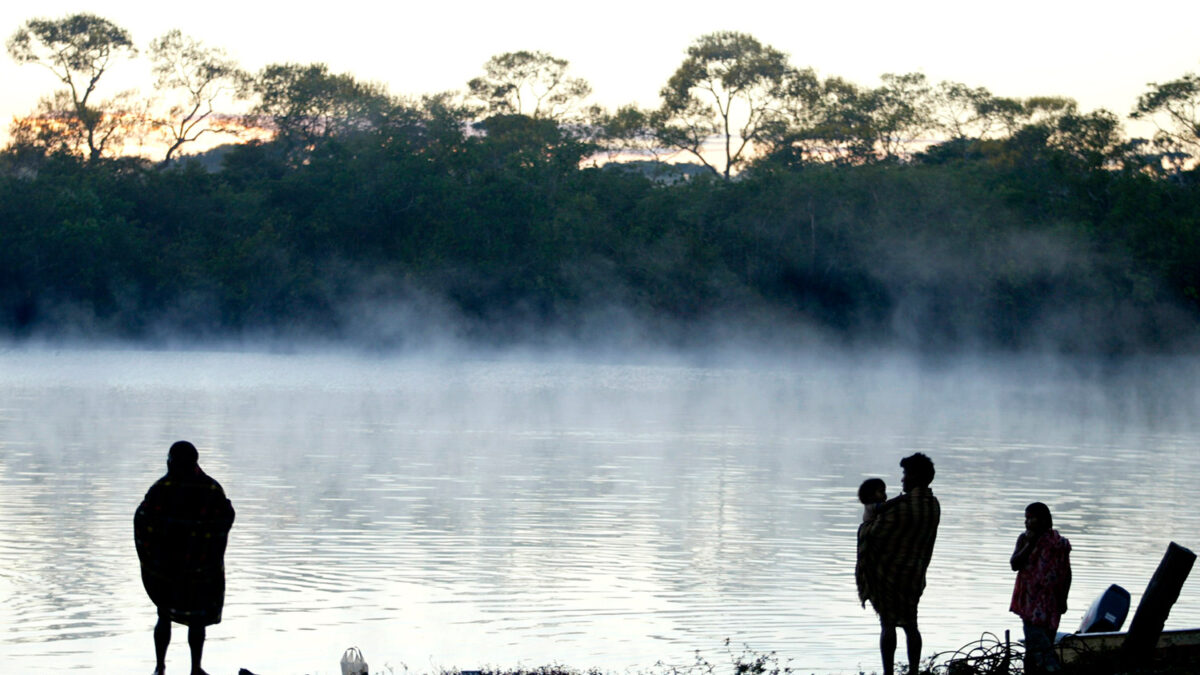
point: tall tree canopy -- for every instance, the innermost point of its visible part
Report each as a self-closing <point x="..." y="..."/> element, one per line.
<point x="307" y="103"/>
<point x="78" y="49"/>
<point x="727" y="87"/>
<point x="822" y="121"/>
<point x="1174" y="107"/>
<point x="1024" y="228"/>
<point x="900" y="112"/>
<point x="535" y="84"/>
<point x="195" y="76"/>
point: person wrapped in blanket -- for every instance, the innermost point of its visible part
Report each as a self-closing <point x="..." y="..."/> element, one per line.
<point x="180" y="531"/>
<point x="1042" y="561"/>
<point x="895" y="547"/>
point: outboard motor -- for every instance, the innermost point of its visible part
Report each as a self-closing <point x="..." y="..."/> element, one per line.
<point x="1107" y="613"/>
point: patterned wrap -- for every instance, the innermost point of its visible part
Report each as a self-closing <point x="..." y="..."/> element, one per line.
<point x="862" y="561"/>
<point x="1043" y="583"/>
<point x="180" y="530"/>
<point x="894" y="550"/>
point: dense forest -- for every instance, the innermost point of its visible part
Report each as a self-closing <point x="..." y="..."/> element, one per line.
<point x="930" y="216"/>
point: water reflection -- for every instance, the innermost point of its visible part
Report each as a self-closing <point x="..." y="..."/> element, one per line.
<point x="468" y="513"/>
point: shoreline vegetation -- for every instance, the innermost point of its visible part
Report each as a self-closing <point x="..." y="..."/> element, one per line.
<point x="757" y="203"/>
<point x="988" y="656"/>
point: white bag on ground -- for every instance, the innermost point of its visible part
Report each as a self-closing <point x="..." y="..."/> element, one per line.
<point x="353" y="662"/>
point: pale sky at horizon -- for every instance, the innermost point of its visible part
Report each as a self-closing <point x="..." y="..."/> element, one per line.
<point x="1102" y="57"/>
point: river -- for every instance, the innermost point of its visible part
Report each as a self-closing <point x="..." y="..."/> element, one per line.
<point x="464" y="511"/>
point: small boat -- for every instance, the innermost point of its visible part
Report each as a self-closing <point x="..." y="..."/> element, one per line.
<point x="1075" y="645"/>
<point x="1101" y="628"/>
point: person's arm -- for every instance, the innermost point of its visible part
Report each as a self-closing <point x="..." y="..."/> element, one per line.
<point x="1064" y="587"/>
<point x="886" y="517"/>
<point x="220" y="507"/>
<point x="873" y="525"/>
<point x="1021" y="553"/>
<point x="148" y="522"/>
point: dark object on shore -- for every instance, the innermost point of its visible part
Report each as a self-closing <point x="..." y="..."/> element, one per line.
<point x="1107" y="613"/>
<point x="1177" y="653"/>
<point x="1161" y="594"/>
<point x="986" y="656"/>
<point x="1172" y="644"/>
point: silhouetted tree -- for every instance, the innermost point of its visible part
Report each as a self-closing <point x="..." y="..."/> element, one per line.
<point x="78" y="49"/>
<point x="535" y="84"/>
<point x="629" y="131"/>
<point x="823" y="121"/>
<point x="1174" y="108"/>
<point x="306" y="104"/>
<point x="727" y="88"/>
<point x="51" y="128"/>
<point x="198" y="76"/>
<point x="1094" y="139"/>
<point x="899" y="113"/>
<point x="958" y="111"/>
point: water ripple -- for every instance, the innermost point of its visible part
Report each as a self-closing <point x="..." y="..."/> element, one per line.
<point x="497" y="513"/>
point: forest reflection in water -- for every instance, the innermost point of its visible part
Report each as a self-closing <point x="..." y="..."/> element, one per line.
<point x="462" y="512"/>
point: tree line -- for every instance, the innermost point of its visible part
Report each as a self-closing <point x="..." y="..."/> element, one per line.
<point x="934" y="215"/>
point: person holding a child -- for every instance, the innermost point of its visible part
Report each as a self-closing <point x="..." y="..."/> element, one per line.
<point x="895" y="545"/>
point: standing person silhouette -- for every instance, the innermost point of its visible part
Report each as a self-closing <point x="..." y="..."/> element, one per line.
<point x="1042" y="561"/>
<point x="900" y="539"/>
<point x="180" y="530"/>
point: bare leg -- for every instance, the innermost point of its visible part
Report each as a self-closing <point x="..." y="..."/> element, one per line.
<point x="887" y="649"/>
<point x="914" y="648"/>
<point x="196" y="642"/>
<point x="162" y="638"/>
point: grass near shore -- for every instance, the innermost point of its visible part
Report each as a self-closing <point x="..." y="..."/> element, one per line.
<point x="985" y="657"/>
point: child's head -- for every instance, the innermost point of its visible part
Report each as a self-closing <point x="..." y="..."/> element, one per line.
<point x="872" y="490"/>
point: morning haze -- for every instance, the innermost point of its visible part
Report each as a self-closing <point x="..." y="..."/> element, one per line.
<point x="502" y="377"/>
<point x="463" y="511"/>
<point x="758" y="197"/>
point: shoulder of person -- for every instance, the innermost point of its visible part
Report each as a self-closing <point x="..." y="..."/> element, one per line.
<point x="1061" y="541"/>
<point x="208" y="481"/>
<point x="158" y="486"/>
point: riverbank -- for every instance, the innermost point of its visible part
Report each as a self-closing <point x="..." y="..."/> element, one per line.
<point x="983" y="658"/>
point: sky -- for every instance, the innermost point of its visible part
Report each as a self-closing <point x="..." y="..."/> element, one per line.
<point x="1101" y="54"/>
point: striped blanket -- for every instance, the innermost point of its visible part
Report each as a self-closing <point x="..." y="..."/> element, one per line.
<point x="180" y="530"/>
<point x="894" y="550"/>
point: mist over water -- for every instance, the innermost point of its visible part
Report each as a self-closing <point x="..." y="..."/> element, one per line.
<point x="466" y="510"/>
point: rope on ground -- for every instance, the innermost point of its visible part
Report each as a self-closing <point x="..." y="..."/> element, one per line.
<point x="989" y="655"/>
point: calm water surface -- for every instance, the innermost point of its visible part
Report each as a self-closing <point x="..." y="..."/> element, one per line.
<point x="458" y="512"/>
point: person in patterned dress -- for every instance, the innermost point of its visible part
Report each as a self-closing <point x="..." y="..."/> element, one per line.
<point x="1042" y="561"/>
